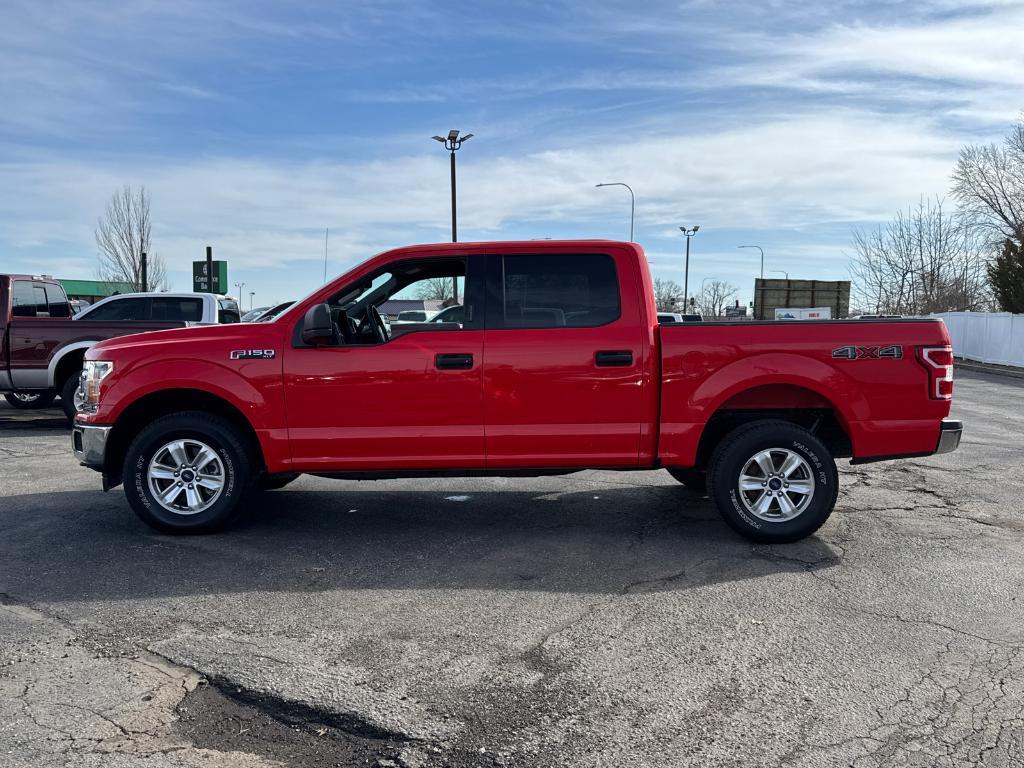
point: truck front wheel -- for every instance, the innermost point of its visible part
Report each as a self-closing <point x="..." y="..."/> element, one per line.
<point x="187" y="473"/>
<point x="29" y="400"/>
<point x="773" y="481"/>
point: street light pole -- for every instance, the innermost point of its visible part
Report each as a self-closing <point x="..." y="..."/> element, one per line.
<point x="686" y="274"/>
<point x="632" y="202"/>
<point x="782" y="271"/>
<point x="762" y="255"/>
<point x="251" y="294"/>
<point x="452" y="143"/>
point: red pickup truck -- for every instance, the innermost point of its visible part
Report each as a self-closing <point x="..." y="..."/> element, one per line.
<point x="559" y="365"/>
<point x="42" y="346"/>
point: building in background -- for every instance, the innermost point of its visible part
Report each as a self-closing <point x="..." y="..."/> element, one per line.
<point x="818" y="298"/>
<point x="91" y="291"/>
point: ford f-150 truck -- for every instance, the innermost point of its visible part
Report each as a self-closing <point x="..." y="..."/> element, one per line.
<point x="41" y="346"/>
<point x="559" y="364"/>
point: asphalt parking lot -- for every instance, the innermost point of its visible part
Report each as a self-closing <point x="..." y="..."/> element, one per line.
<point x="599" y="619"/>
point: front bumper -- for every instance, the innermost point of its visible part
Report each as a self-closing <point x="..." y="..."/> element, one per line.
<point x="949" y="435"/>
<point x="89" y="444"/>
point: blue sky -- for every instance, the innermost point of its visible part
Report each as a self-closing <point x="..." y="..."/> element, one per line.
<point x="256" y="125"/>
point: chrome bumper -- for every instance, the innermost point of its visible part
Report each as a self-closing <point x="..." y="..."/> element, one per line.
<point x="90" y="444"/>
<point x="949" y="435"/>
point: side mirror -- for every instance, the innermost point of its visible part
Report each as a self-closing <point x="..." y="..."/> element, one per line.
<point x="317" y="327"/>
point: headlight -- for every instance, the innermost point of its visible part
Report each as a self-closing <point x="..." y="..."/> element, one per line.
<point x="93" y="373"/>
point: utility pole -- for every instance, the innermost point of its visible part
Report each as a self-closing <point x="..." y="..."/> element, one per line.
<point x="452" y="144"/>
<point x="686" y="275"/>
<point x="209" y="268"/>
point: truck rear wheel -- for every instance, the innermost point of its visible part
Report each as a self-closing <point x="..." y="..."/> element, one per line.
<point x="188" y="473"/>
<point x="69" y="398"/>
<point x="773" y="481"/>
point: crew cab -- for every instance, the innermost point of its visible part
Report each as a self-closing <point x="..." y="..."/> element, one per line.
<point x="558" y="365"/>
<point x="42" y="345"/>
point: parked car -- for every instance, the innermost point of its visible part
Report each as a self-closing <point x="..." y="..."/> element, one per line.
<point x="42" y="346"/>
<point x="453" y="314"/>
<point x="252" y="314"/>
<point x="413" y="316"/>
<point x="560" y="366"/>
<point x="199" y="308"/>
<point x="273" y="312"/>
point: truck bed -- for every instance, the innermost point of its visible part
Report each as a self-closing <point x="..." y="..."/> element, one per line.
<point x="865" y="372"/>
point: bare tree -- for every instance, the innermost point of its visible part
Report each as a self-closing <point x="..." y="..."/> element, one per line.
<point x="667" y="294"/>
<point x="122" y="236"/>
<point x="924" y="260"/>
<point x="714" y="296"/>
<point x="436" y="289"/>
<point x="988" y="182"/>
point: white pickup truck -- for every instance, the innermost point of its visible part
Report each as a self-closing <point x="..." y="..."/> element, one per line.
<point x="192" y="308"/>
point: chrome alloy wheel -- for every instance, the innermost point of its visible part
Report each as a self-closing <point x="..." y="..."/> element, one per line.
<point x="776" y="485"/>
<point x="186" y="476"/>
<point x="25" y="397"/>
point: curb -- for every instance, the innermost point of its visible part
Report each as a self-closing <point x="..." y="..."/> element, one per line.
<point x="999" y="370"/>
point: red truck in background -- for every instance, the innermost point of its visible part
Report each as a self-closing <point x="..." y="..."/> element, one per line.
<point x="559" y="365"/>
<point x="42" y="347"/>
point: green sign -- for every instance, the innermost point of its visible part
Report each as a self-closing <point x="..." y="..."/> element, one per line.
<point x="200" y="283"/>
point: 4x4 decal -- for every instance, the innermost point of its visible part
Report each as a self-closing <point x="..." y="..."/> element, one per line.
<point x="893" y="351"/>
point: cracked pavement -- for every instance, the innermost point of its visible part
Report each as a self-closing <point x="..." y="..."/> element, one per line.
<point x="599" y="619"/>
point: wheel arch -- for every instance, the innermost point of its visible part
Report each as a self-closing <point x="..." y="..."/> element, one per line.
<point x="799" y="404"/>
<point x="65" y="360"/>
<point x="164" y="402"/>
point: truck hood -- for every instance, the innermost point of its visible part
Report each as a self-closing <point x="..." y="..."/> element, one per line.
<point x="157" y="342"/>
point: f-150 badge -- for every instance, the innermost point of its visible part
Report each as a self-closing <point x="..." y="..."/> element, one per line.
<point x="894" y="351"/>
<point x="253" y="354"/>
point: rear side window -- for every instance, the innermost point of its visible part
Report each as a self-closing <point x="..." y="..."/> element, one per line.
<point x="180" y="309"/>
<point x="23" y="299"/>
<point x="121" y="309"/>
<point x="57" y="301"/>
<point x="559" y="290"/>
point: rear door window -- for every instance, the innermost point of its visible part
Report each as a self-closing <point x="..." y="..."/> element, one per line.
<point x="121" y="309"/>
<point x="559" y="290"/>
<point x="57" y="301"/>
<point x="180" y="309"/>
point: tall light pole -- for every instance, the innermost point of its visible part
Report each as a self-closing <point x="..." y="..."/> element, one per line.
<point x="241" y="296"/>
<point x="251" y="294"/>
<point x="452" y="144"/>
<point x="782" y="271"/>
<point x="762" y="255"/>
<point x="632" y="201"/>
<point x="686" y="275"/>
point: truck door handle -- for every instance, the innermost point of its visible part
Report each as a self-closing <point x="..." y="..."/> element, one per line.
<point x="453" y="362"/>
<point x="614" y="358"/>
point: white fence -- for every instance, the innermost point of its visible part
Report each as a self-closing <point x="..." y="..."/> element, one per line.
<point x="988" y="337"/>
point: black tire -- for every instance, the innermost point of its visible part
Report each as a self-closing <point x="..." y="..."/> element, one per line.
<point x="739" y="447"/>
<point x="223" y="438"/>
<point x="694" y="480"/>
<point x="67" y="396"/>
<point x="275" y="482"/>
<point x="39" y="400"/>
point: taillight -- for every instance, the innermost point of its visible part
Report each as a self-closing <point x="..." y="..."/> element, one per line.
<point x="939" y="363"/>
